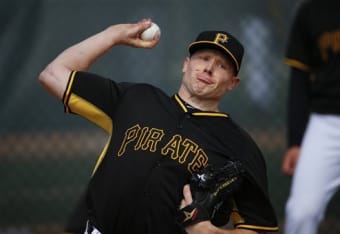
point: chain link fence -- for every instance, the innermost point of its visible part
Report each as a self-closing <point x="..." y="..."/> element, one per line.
<point x="46" y="157"/>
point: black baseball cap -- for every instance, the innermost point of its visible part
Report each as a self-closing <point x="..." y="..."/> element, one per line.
<point x="222" y="41"/>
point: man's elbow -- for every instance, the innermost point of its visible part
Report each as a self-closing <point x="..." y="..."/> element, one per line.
<point x="44" y="77"/>
<point x="54" y="82"/>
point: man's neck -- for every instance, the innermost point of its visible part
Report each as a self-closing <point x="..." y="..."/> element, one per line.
<point x="201" y="104"/>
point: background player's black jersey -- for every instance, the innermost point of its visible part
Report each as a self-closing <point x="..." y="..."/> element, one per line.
<point x="155" y="143"/>
<point x="314" y="47"/>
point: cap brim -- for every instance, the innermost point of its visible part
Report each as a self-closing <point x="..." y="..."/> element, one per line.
<point x="193" y="47"/>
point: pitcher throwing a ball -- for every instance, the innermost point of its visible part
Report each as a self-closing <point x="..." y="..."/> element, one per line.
<point x="159" y="144"/>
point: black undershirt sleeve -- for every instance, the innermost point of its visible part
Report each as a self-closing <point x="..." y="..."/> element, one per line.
<point x="298" y="106"/>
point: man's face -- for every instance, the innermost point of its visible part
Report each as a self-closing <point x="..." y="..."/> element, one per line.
<point x="208" y="74"/>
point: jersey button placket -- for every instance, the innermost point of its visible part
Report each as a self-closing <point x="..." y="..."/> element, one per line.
<point x="186" y="115"/>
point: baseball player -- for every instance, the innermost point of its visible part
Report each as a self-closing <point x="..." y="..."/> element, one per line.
<point x="313" y="155"/>
<point x="157" y="142"/>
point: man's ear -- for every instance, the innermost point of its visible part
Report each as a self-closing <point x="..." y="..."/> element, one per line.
<point x="235" y="82"/>
<point x="185" y="64"/>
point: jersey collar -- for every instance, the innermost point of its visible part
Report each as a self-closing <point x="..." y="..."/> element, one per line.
<point x="197" y="112"/>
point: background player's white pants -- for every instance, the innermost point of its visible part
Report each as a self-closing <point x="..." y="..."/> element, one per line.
<point x="90" y="229"/>
<point x="316" y="177"/>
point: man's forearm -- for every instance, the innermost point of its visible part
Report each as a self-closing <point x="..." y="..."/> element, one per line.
<point x="82" y="55"/>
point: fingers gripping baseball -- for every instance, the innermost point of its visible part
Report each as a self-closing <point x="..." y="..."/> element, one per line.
<point x="130" y="34"/>
<point x="209" y="188"/>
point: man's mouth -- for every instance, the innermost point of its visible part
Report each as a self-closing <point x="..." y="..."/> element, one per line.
<point x="204" y="78"/>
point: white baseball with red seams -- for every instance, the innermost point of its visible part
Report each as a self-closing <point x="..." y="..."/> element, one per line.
<point x="151" y="32"/>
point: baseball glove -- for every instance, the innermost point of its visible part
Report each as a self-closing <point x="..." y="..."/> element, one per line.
<point x="210" y="187"/>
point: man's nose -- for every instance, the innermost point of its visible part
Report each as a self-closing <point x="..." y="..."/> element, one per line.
<point x="209" y="66"/>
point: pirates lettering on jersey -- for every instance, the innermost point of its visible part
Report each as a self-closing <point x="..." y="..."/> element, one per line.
<point x="172" y="148"/>
<point x="329" y="42"/>
<point x="177" y="148"/>
<point x="147" y="138"/>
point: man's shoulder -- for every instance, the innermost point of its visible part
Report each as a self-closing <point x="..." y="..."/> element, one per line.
<point x="142" y="88"/>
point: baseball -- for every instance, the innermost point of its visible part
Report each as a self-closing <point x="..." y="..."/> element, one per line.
<point x="150" y="33"/>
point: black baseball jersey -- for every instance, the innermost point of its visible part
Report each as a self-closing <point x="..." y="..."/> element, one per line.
<point x="314" y="47"/>
<point x="155" y="144"/>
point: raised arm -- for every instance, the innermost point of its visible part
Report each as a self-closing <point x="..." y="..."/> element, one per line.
<point x="81" y="56"/>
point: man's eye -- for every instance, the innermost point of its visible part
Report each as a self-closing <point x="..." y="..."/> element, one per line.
<point x="220" y="65"/>
<point x="205" y="58"/>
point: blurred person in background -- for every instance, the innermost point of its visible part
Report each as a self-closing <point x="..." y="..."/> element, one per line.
<point x="313" y="154"/>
